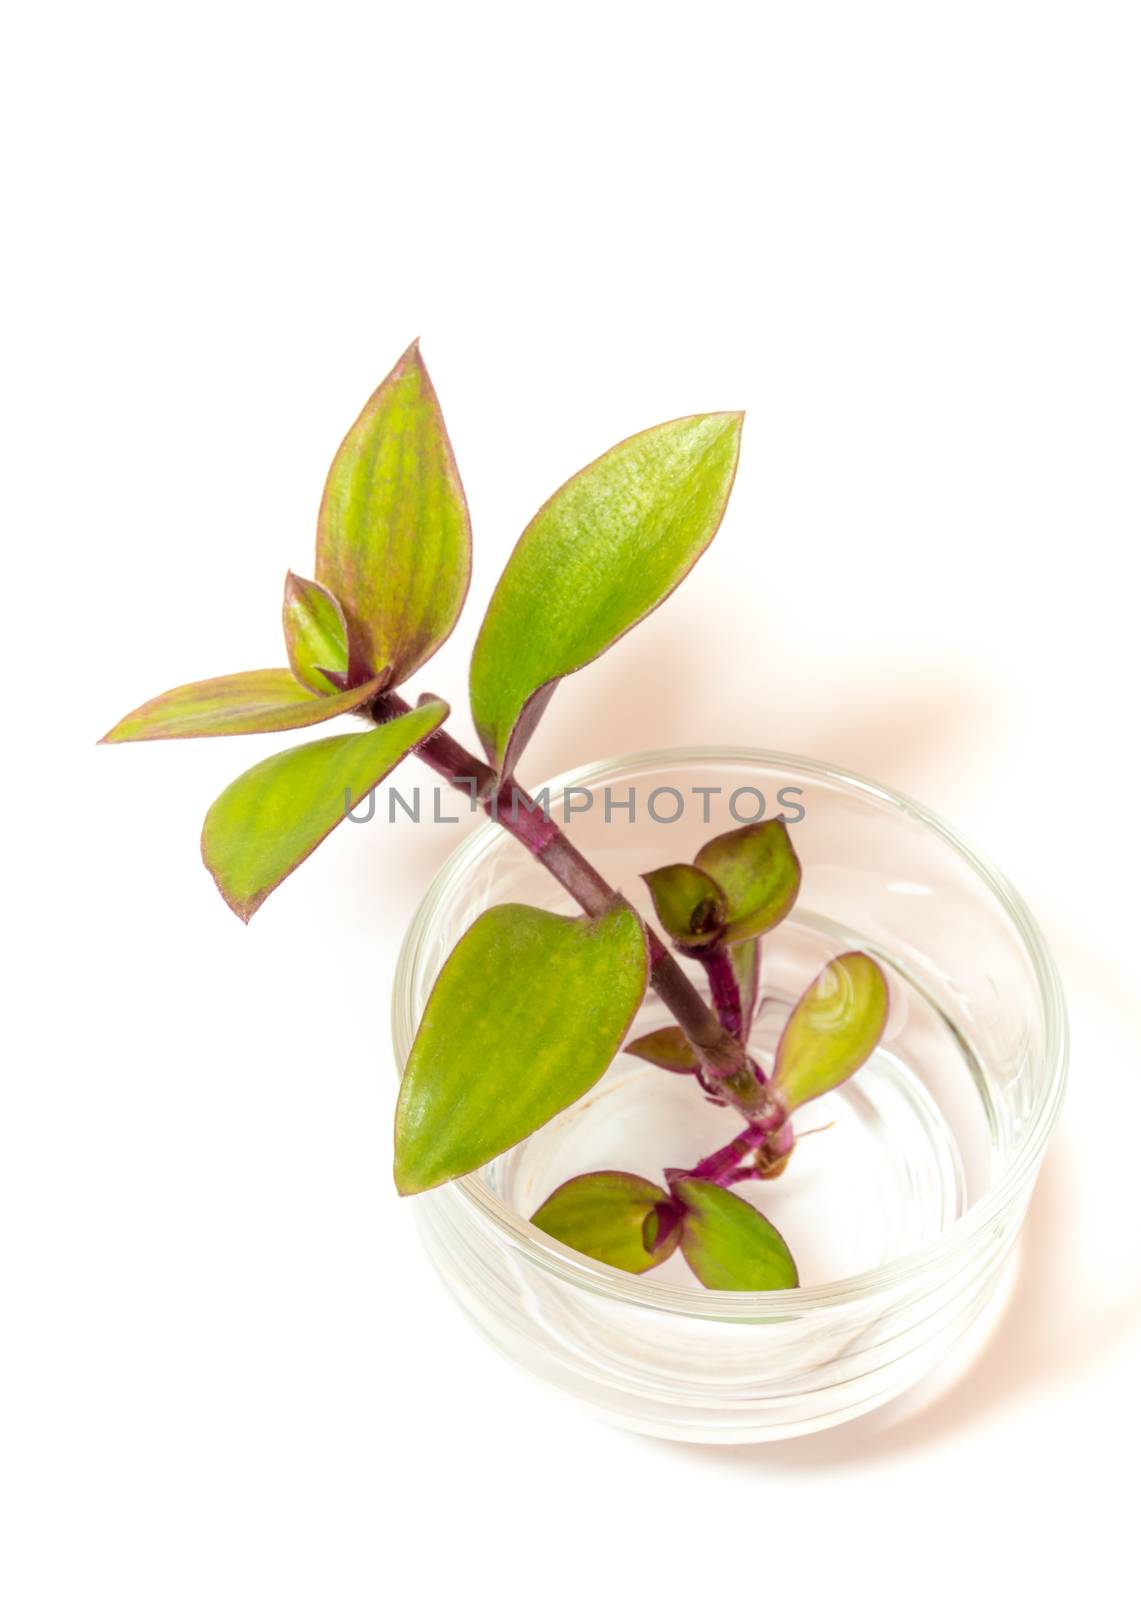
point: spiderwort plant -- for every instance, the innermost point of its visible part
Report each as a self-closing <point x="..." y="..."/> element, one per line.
<point x="494" y="1061"/>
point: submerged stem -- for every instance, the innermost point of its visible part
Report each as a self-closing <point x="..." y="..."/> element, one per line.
<point x="730" y="1164"/>
<point x="723" y="987"/>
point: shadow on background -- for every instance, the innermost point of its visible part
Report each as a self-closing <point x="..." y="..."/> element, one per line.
<point x="1043" y="1328"/>
<point x="648" y="693"/>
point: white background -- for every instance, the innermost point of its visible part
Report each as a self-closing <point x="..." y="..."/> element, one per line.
<point x="905" y="238"/>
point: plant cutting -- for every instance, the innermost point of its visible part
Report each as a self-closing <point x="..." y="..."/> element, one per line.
<point x="531" y="1007"/>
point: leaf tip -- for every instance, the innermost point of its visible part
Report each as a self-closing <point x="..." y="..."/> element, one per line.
<point x="117" y="734"/>
<point x="733" y="421"/>
<point x="411" y="357"/>
<point x="407" y="1180"/>
<point x="734" y="426"/>
<point x="243" y="907"/>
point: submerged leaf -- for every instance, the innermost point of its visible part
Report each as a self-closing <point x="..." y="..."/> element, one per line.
<point x="273" y="816"/>
<point x="776" y="1153"/>
<point x="393" y="535"/>
<point x="728" y="1243"/>
<point x="524" y="1018"/>
<point x="834" y="1028"/>
<point x="316" y="639"/>
<point x="271" y="701"/>
<point x="757" y="868"/>
<point x="690" y="906"/>
<point x="665" y="1047"/>
<point x="604" y="551"/>
<point x="615" y="1217"/>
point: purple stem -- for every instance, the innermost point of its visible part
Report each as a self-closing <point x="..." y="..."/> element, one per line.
<point x="723" y="987"/>
<point x="722" y="1163"/>
<point x="726" y="1166"/>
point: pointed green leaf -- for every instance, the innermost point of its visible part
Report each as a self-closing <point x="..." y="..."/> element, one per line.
<point x="611" y="1217"/>
<point x="757" y="868"/>
<point x="271" y="701"/>
<point x="690" y="906"/>
<point x="746" y="958"/>
<point x="316" y="639"/>
<point x="604" y="551"/>
<point x="524" y="1018"/>
<point x="836" y="1025"/>
<point x="273" y="816"/>
<point x="728" y="1243"/>
<point x="394" y="538"/>
<point x="665" y="1047"/>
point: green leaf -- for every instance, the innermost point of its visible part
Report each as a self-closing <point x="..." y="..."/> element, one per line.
<point x="604" y="551"/>
<point x="393" y="534"/>
<point x="665" y="1047"/>
<point x="690" y="906"/>
<point x="757" y="868"/>
<point x="273" y="816"/>
<point x="611" y="1217"/>
<point x="727" y="1242"/>
<point x="836" y="1025"/>
<point x="316" y="639"/>
<point x="746" y="958"/>
<point x="271" y="701"/>
<point x="524" y="1018"/>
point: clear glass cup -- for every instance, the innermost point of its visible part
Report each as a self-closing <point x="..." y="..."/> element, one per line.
<point x="901" y="1211"/>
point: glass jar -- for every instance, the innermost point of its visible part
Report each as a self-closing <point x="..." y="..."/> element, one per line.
<point x="900" y="1207"/>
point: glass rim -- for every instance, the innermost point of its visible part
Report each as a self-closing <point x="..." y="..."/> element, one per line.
<point x="782" y="1304"/>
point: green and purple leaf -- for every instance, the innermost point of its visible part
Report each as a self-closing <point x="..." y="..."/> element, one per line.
<point x="602" y="553"/>
<point x="835" y="1026"/>
<point x="393" y="535"/>
<point x="727" y="1243"/>
<point x="759" y="873"/>
<point x="524" y="1018"/>
<point x="690" y="905"/>
<point x="665" y="1047"/>
<point x="316" y="638"/>
<point x="273" y="816"/>
<point x="614" y="1217"/>
<point x="271" y="701"/>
